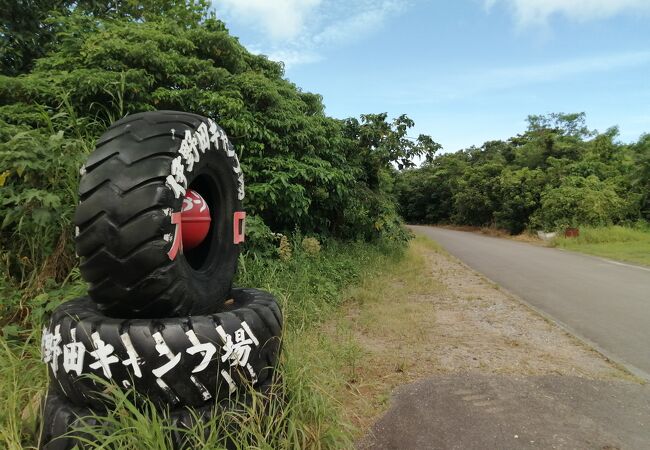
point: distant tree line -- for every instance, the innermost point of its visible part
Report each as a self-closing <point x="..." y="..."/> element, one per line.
<point x="556" y="174"/>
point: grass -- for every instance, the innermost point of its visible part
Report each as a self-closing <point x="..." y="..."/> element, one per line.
<point x="22" y="382"/>
<point x="614" y="242"/>
<point x="371" y="341"/>
<point x="311" y="289"/>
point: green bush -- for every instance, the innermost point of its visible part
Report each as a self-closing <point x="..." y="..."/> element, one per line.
<point x="476" y="198"/>
<point x="555" y="174"/>
<point x="40" y="170"/>
<point x="580" y="201"/>
<point x="304" y="170"/>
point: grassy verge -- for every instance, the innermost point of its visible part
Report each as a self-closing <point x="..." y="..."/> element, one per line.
<point x="614" y="242"/>
<point x="311" y="288"/>
<point x="368" y="343"/>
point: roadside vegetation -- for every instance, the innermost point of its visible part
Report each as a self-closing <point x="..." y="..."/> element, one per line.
<point x="319" y="196"/>
<point x="322" y="196"/>
<point x="303" y="412"/>
<point x="614" y="242"/>
<point x="556" y="174"/>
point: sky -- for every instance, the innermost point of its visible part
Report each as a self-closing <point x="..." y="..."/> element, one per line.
<point x="466" y="71"/>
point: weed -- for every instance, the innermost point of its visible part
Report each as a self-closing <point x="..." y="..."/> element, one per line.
<point x="630" y="244"/>
<point x="301" y="413"/>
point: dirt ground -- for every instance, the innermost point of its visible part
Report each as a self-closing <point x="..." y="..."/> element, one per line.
<point x="496" y="232"/>
<point x="435" y="316"/>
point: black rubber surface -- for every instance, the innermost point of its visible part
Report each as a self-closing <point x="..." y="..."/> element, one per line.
<point x="124" y="218"/>
<point x="62" y="421"/>
<point x="250" y="323"/>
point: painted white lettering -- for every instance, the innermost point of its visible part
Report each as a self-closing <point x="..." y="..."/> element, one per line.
<point x="73" y="355"/>
<point x="178" y="171"/>
<point x="46" y="345"/>
<point x="239" y="351"/>
<point x="53" y="348"/>
<point x="163" y="350"/>
<point x="214" y="132"/>
<point x="189" y="151"/>
<point x="208" y="349"/>
<point x="103" y="355"/>
<point x="134" y="358"/>
<point x="203" y="137"/>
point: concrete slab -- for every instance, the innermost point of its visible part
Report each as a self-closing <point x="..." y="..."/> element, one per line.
<point x="473" y="411"/>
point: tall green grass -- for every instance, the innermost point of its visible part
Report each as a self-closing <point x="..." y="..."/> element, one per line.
<point x="302" y="412"/>
<point x="631" y="244"/>
<point x="22" y="382"/>
<point x="311" y="285"/>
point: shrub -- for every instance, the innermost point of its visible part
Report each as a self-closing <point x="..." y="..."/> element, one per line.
<point x="310" y="246"/>
<point x="304" y="170"/>
<point x="580" y="201"/>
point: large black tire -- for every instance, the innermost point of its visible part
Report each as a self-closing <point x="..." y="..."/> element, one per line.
<point x="59" y="421"/>
<point x="191" y="360"/>
<point x="131" y="191"/>
<point x="62" y="422"/>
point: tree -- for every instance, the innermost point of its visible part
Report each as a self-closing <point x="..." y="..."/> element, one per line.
<point x="477" y="197"/>
<point x="520" y="194"/>
<point x="641" y="174"/>
<point x="24" y="33"/>
<point x="581" y="201"/>
<point x="104" y="60"/>
<point x="556" y="173"/>
<point x="28" y="28"/>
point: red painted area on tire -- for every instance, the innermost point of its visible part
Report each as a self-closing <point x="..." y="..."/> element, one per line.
<point x="239" y="226"/>
<point x="177" y="241"/>
<point x="195" y="219"/>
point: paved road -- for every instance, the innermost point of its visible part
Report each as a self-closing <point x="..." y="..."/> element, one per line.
<point x="601" y="301"/>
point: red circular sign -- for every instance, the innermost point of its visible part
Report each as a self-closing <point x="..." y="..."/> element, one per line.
<point x="195" y="218"/>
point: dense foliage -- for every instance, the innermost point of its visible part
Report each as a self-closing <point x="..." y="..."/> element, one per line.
<point x="556" y="174"/>
<point x="71" y="68"/>
<point x="68" y="68"/>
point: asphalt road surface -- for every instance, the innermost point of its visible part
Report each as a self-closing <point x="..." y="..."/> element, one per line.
<point x="501" y="412"/>
<point x="604" y="302"/>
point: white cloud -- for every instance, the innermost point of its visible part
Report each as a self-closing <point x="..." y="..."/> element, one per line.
<point x="280" y="19"/>
<point x="366" y="20"/>
<point x="298" y="31"/>
<point x="515" y="76"/>
<point x="290" y="57"/>
<point x="504" y="79"/>
<point x="538" y="12"/>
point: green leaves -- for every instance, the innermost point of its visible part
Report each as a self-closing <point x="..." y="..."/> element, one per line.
<point x="304" y="171"/>
<point x="582" y="201"/>
<point x="556" y="174"/>
<point x="40" y="173"/>
<point x="386" y="143"/>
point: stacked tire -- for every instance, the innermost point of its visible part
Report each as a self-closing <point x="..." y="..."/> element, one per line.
<point x="161" y="320"/>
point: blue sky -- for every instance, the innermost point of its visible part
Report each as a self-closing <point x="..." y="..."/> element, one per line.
<point x="466" y="71"/>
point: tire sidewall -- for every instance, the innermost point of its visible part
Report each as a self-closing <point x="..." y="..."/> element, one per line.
<point x="217" y="177"/>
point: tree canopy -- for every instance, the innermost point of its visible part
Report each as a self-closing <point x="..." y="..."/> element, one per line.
<point x="556" y="174"/>
<point x="72" y="68"/>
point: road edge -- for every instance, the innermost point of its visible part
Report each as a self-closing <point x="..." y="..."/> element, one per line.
<point x="643" y="376"/>
<point x="619" y="362"/>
